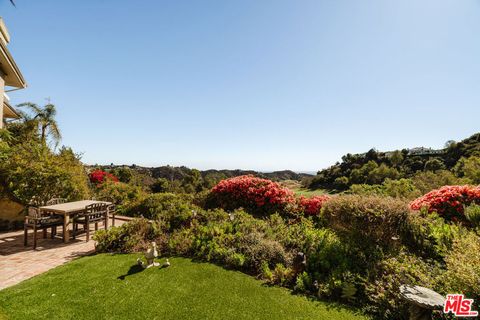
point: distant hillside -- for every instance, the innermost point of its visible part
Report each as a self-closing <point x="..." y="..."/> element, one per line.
<point x="179" y="173"/>
<point x="373" y="167"/>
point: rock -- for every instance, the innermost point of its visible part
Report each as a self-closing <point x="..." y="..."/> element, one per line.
<point x="422" y="297"/>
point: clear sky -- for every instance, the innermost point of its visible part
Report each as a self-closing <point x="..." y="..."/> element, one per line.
<point x="252" y="84"/>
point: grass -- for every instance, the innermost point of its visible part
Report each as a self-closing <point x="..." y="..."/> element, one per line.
<point x="309" y="193"/>
<point x="112" y="287"/>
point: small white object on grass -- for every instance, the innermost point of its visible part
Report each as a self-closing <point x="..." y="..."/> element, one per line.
<point x="166" y="264"/>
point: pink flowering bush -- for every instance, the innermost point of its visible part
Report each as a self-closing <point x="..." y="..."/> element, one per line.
<point x="449" y="201"/>
<point x="256" y="195"/>
<point x="312" y="206"/>
<point x="99" y="176"/>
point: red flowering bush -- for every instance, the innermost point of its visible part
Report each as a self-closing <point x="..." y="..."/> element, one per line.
<point x="312" y="206"/>
<point x="449" y="201"/>
<point x="99" y="176"/>
<point x="256" y="195"/>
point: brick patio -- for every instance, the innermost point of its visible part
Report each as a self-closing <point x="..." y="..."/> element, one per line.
<point x="18" y="263"/>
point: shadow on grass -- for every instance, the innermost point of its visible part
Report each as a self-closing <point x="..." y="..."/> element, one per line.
<point x="136" y="268"/>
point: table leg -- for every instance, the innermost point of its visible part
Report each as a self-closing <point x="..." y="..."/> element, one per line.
<point x="66" y="231"/>
<point x="106" y="219"/>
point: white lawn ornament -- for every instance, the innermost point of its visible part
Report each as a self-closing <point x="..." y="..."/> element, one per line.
<point x="166" y="264"/>
<point x="150" y="256"/>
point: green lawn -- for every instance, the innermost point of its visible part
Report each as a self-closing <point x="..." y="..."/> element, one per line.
<point x="309" y="193"/>
<point x="112" y="287"/>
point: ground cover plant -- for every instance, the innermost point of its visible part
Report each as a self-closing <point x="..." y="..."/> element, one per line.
<point x="353" y="249"/>
<point x="114" y="287"/>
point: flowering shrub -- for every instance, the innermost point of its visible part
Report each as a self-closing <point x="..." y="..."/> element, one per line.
<point x="312" y="206"/>
<point x="259" y="196"/>
<point x="99" y="176"/>
<point x="448" y="201"/>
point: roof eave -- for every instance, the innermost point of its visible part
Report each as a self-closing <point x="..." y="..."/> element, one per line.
<point x="13" y="76"/>
<point x="10" y="112"/>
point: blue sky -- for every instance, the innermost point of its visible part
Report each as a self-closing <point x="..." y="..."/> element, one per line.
<point x="250" y="84"/>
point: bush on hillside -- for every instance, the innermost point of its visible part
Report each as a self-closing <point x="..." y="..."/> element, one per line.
<point x="382" y="288"/>
<point x="32" y="172"/>
<point x="257" y="196"/>
<point x="98" y="177"/>
<point x="429" y="235"/>
<point x="463" y="267"/>
<point x="369" y="220"/>
<point x="174" y="209"/>
<point x="122" y="194"/>
<point x="312" y="206"/>
<point x="449" y="201"/>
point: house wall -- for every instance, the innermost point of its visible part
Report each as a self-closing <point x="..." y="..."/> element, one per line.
<point x="11" y="214"/>
<point x="2" y="90"/>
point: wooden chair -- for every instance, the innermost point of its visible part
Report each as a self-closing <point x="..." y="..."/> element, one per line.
<point x="112" y="211"/>
<point x="38" y="220"/>
<point x="94" y="213"/>
<point x="54" y="201"/>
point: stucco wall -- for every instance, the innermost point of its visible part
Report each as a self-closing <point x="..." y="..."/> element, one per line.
<point x="11" y="214"/>
<point x="2" y="88"/>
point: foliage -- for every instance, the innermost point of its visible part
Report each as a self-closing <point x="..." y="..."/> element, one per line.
<point x="124" y="195"/>
<point x="472" y="214"/>
<point x="448" y="201"/>
<point x="429" y="235"/>
<point x="385" y="279"/>
<point x="463" y="267"/>
<point x="428" y="181"/>
<point x="160" y="185"/>
<point x="256" y="195"/>
<point x="469" y="168"/>
<point x="176" y="209"/>
<point x="374" y="167"/>
<point x="123" y="174"/>
<point x="128" y="237"/>
<point x="312" y="206"/>
<point x="401" y="188"/>
<point x="43" y="120"/>
<point x="99" y="176"/>
<point x="370" y="220"/>
<point x="32" y="171"/>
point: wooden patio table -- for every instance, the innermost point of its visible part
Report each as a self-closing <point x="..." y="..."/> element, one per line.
<point x="68" y="209"/>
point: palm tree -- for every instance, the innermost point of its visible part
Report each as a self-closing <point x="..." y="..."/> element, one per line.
<point x="43" y="119"/>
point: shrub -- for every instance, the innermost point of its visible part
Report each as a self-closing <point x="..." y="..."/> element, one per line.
<point x="368" y="220"/>
<point x="31" y="171"/>
<point x="311" y="206"/>
<point x="99" y="176"/>
<point x="122" y="194"/>
<point x="384" y="281"/>
<point x="256" y="195"/>
<point x="256" y="248"/>
<point x="472" y="214"/>
<point x="463" y="267"/>
<point x="429" y="235"/>
<point x="402" y="188"/>
<point x="129" y="237"/>
<point x="448" y="201"/>
<point x="174" y="209"/>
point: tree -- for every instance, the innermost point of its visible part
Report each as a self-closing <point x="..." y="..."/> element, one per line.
<point x="434" y="164"/>
<point x="396" y="158"/>
<point x="160" y="185"/>
<point x="43" y="120"/>
<point x="123" y="174"/>
<point x="469" y="168"/>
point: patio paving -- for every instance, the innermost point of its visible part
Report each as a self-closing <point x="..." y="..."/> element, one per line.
<point x="18" y="263"/>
